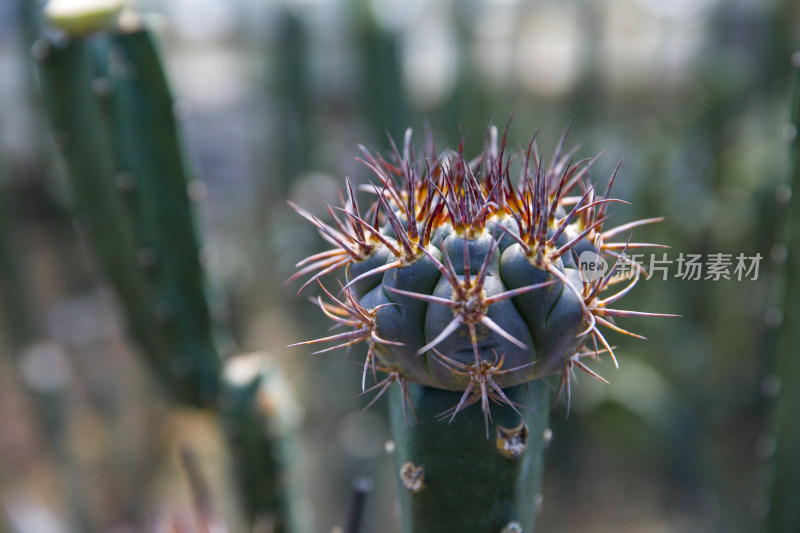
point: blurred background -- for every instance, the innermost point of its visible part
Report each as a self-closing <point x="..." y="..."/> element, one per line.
<point x="274" y="97"/>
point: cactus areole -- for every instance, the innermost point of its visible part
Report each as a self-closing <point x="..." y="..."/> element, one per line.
<point x="462" y="278"/>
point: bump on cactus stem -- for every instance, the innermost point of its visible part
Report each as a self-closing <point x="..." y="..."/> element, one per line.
<point x="413" y="477"/>
<point x="512" y="527"/>
<point x="458" y="279"/>
<point x="512" y="442"/>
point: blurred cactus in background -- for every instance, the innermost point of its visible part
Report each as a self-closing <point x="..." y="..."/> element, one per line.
<point x="114" y="118"/>
<point x="112" y="115"/>
<point x="783" y="467"/>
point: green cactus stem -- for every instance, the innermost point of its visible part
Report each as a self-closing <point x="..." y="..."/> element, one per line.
<point x="15" y="301"/>
<point x="88" y="123"/>
<point x="451" y="478"/>
<point x="150" y="154"/>
<point x="260" y="422"/>
<point x="783" y="485"/>
<point x="246" y="425"/>
<point x="292" y="87"/>
<point x="66" y="73"/>
<point x="113" y="117"/>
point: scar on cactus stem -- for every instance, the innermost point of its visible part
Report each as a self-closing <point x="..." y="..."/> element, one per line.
<point x="511" y="442"/>
<point x="458" y="279"/>
<point x="412" y="477"/>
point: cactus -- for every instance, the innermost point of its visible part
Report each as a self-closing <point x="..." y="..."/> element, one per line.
<point x="112" y="113"/>
<point x="116" y="131"/>
<point x="260" y="418"/>
<point x="469" y="289"/>
<point x="783" y="470"/>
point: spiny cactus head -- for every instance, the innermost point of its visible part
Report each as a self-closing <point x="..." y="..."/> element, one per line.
<point x="458" y="278"/>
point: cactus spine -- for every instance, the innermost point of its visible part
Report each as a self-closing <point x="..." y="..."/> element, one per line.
<point x="468" y="287"/>
<point x="112" y="113"/>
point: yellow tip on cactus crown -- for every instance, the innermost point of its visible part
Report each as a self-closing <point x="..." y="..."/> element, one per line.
<point x="82" y="17"/>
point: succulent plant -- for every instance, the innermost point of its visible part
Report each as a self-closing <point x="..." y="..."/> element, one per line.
<point x="483" y="288"/>
<point x="469" y="288"/>
<point x="112" y="112"/>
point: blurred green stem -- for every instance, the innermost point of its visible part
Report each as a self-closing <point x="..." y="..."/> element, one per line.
<point x="784" y="468"/>
<point x="113" y="116"/>
<point x="14" y="292"/>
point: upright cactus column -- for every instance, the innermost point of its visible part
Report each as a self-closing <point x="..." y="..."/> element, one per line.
<point x="783" y="470"/>
<point x="471" y="289"/>
<point x="112" y="114"/>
